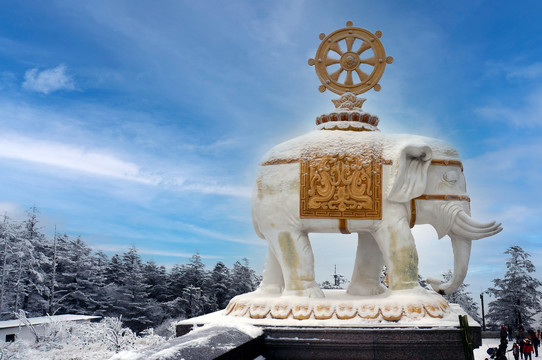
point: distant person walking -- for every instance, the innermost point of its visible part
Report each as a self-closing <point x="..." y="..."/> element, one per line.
<point x="503" y="333"/>
<point x="535" y="341"/>
<point x="538" y="339"/>
<point x="515" y="351"/>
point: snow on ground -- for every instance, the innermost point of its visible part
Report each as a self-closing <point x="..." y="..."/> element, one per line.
<point x="212" y="339"/>
<point x="248" y="329"/>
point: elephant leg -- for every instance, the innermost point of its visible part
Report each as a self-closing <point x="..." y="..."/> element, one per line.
<point x="273" y="281"/>
<point x="400" y="255"/>
<point x="294" y="254"/>
<point x="367" y="268"/>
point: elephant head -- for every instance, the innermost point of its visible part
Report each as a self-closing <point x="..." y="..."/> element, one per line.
<point x="432" y="183"/>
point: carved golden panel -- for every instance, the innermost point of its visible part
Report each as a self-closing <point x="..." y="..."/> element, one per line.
<point x="341" y="186"/>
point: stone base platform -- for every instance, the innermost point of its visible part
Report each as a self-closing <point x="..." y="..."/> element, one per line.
<point x="366" y="343"/>
<point x="351" y="339"/>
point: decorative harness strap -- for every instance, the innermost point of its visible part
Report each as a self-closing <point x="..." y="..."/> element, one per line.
<point x="432" y="197"/>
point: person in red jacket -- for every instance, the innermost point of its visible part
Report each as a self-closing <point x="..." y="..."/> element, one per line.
<point x="528" y="349"/>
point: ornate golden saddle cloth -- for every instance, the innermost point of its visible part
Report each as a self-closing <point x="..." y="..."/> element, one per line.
<point x="341" y="186"/>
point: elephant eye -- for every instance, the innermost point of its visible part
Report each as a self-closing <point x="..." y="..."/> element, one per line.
<point x="450" y="177"/>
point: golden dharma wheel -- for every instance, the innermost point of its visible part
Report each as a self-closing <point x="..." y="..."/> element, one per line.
<point x="351" y="60"/>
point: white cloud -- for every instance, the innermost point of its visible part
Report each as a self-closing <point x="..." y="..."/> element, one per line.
<point x="143" y="251"/>
<point x="48" y="80"/>
<point x="528" y="114"/>
<point x="222" y="236"/>
<point x="210" y="188"/>
<point x="509" y="163"/>
<point x="11" y="209"/>
<point x="529" y="72"/>
<point x="101" y="163"/>
<point x="71" y="157"/>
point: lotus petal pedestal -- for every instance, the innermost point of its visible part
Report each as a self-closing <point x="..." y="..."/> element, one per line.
<point x="406" y="304"/>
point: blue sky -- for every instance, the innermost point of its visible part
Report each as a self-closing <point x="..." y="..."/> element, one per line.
<point x="142" y="123"/>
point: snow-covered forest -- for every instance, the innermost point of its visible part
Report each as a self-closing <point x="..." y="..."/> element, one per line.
<point x="517" y="295"/>
<point x="61" y="274"/>
<point x="53" y="275"/>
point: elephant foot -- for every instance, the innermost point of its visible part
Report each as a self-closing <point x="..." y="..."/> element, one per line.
<point x="365" y="289"/>
<point x="269" y="289"/>
<point x="312" y="292"/>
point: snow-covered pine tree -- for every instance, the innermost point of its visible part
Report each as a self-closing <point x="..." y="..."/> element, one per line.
<point x="56" y="253"/>
<point x="75" y="292"/>
<point x="100" y="263"/>
<point x="186" y="286"/>
<point x="463" y="298"/>
<point x="195" y="273"/>
<point x="217" y="292"/>
<point x="30" y="283"/>
<point x="517" y="297"/>
<point x="191" y="274"/>
<point x="9" y="234"/>
<point x="137" y="310"/>
<point x="52" y="275"/>
<point x="193" y="301"/>
<point x="243" y="278"/>
<point x="156" y="279"/>
<point x="111" y="290"/>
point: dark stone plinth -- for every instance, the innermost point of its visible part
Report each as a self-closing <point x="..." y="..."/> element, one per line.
<point x="366" y="343"/>
<point x="330" y="339"/>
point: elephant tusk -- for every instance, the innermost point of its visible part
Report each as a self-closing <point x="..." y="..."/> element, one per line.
<point x="465" y="217"/>
<point x="458" y="230"/>
<point x="475" y="229"/>
<point x="465" y="227"/>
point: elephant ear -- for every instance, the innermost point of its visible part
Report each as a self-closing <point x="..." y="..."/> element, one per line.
<point x="411" y="178"/>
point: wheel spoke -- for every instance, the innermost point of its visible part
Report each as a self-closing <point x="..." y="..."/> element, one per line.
<point x="330" y="61"/>
<point x="335" y="47"/>
<point x="368" y="61"/>
<point x="363" y="47"/>
<point x="336" y="74"/>
<point x="362" y="75"/>
<point x="348" y="80"/>
<point x="349" y="43"/>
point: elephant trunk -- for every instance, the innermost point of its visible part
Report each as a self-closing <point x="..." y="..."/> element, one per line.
<point x="461" y="247"/>
<point x="463" y="230"/>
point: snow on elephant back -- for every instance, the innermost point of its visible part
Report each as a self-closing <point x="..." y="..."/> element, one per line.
<point x="348" y="177"/>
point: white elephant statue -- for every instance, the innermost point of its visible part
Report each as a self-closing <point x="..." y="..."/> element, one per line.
<point x="317" y="182"/>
